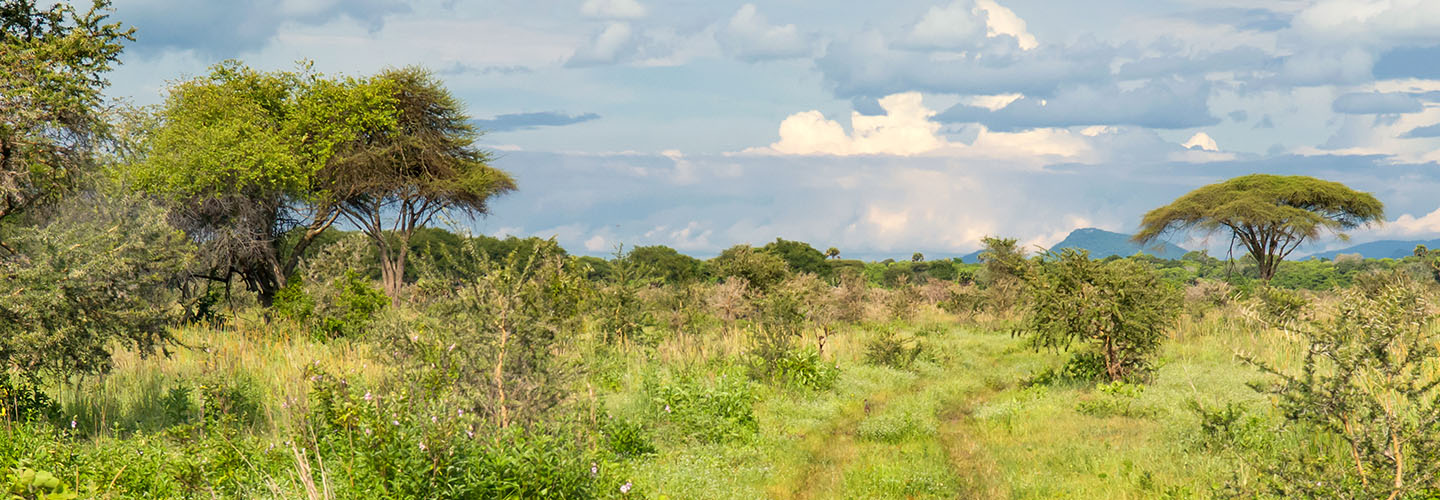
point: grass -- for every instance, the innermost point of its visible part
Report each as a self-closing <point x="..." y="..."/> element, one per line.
<point x="958" y="422"/>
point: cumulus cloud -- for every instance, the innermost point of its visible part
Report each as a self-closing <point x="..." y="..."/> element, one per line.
<point x="613" y="9"/>
<point x="749" y="36"/>
<point x="904" y="129"/>
<point x="1201" y="141"/>
<point x="1003" y="21"/>
<point x="1376" y="103"/>
<point x="958" y="25"/>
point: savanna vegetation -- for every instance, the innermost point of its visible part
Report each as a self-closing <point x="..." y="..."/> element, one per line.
<point x="259" y="289"/>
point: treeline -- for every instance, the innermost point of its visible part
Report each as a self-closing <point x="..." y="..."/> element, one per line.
<point x="437" y="248"/>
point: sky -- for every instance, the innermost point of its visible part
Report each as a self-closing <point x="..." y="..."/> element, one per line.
<point x="880" y="128"/>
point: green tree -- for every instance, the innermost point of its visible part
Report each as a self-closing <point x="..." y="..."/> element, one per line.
<point x="245" y="152"/>
<point x="395" y="179"/>
<point x="1003" y="259"/>
<point x="1270" y="215"/>
<point x="800" y="256"/>
<point x="832" y="253"/>
<point x="761" y="270"/>
<point x="98" y="273"/>
<point x="1120" y="309"/>
<point x="917" y="257"/>
<point x="51" y="97"/>
<point x="1367" y="384"/>
<point x="667" y="264"/>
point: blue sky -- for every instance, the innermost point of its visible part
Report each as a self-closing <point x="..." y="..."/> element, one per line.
<point x="882" y="128"/>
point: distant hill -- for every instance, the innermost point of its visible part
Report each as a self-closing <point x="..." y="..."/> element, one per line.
<point x="1102" y="244"/>
<point x="1382" y="249"/>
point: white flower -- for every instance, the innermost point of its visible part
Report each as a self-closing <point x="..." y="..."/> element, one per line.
<point x="625" y="488"/>
<point x="368" y="396"/>
<point x="72" y="423"/>
<point x="396" y="422"/>
<point x="667" y="408"/>
<point x="434" y="420"/>
<point x="422" y="446"/>
<point x="594" y="469"/>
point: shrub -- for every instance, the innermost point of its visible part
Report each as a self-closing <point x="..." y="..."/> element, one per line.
<point x="21" y="400"/>
<point x="888" y="348"/>
<point x="710" y="411"/>
<point x="1119" y="309"/>
<point x="760" y="269"/>
<point x="1368" y="385"/>
<point x="1278" y="306"/>
<point x="804" y="368"/>
<point x="1116" y="398"/>
<point x="626" y="439"/>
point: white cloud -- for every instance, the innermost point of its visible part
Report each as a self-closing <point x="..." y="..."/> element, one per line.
<point x="597" y="243"/>
<point x="955" y="26"/>
<point x="1003" y="21"/>
<point x="992" y="102"/>
<point x="1203" y="141"/>
<point x="750" y="36"/>
<point x="613" y="9"/>
<point x="904" y="129"/>
<point x="609" y="46"/>
<point x="965" y="24"/>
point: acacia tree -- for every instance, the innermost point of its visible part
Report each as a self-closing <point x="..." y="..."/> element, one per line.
<point x="50" y="96"/>
<point x="243" y="151"/>
<point x="1271" y="215"/>
<point x="396" y="179"/>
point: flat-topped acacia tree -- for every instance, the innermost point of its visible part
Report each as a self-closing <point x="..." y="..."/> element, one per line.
<point x="396" y="178"/>
<point x="1271" y="215"/>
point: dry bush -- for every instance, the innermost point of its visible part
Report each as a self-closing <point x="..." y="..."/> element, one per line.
<point x="729" y="300"/>
<point x="1207" y="294"/>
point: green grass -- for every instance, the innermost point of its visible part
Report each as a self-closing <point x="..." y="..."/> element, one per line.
<point x="959" y="422"/>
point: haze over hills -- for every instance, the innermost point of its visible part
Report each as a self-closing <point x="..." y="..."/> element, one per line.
<point x="1102" y="244"/>
<point x="1382" y="249"/>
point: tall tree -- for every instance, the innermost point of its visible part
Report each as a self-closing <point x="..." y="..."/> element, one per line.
<point x="394" y="180"/>
<point x="1271" y="215"/>
<point x="243" y="152"/>
<point x="51" y="112"/>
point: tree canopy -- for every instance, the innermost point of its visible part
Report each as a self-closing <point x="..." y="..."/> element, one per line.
<point x="51" y="110"/>
<point x="244" y="152"/>
<point x="1271" y="215"/>
<point x="800" y="256"/>
<point x="394" y="179"/>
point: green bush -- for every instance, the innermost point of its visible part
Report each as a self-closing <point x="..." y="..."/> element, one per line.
<point x="626" y="439"/>
<point x="1118" y="309"/>
<point x="21" y="400"/>
<point x="805" y="369"/>
<point x="716" y="410"/>
<point x="887" y="348"/>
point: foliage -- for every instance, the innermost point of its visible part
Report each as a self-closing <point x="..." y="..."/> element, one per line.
<point x="496" y="348"/>
<point x="395" y="177"/>
<point x="400" y="447"/>
<point x="1368" y="381"/>
<point x="1003" y="261"/>
<point x="667" y="264"/>
<point x="1270" y="215"/>
<point x="1120" y="310"/>
<point x="1278" y="306"/>
<point x="804" y="368"/>
<point x="888" y="348"/>
<point x="51" y="113"/>
<point x="22" y="400"/>
<point x="799" y="256"/>
<point x="761" y="270"/>
<point x="243" y="152"/>
<point x="27" y="484"/>
<point x="708" y="410"/>
<point x="99" y="273"/>
<point x="620" y="313"/>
